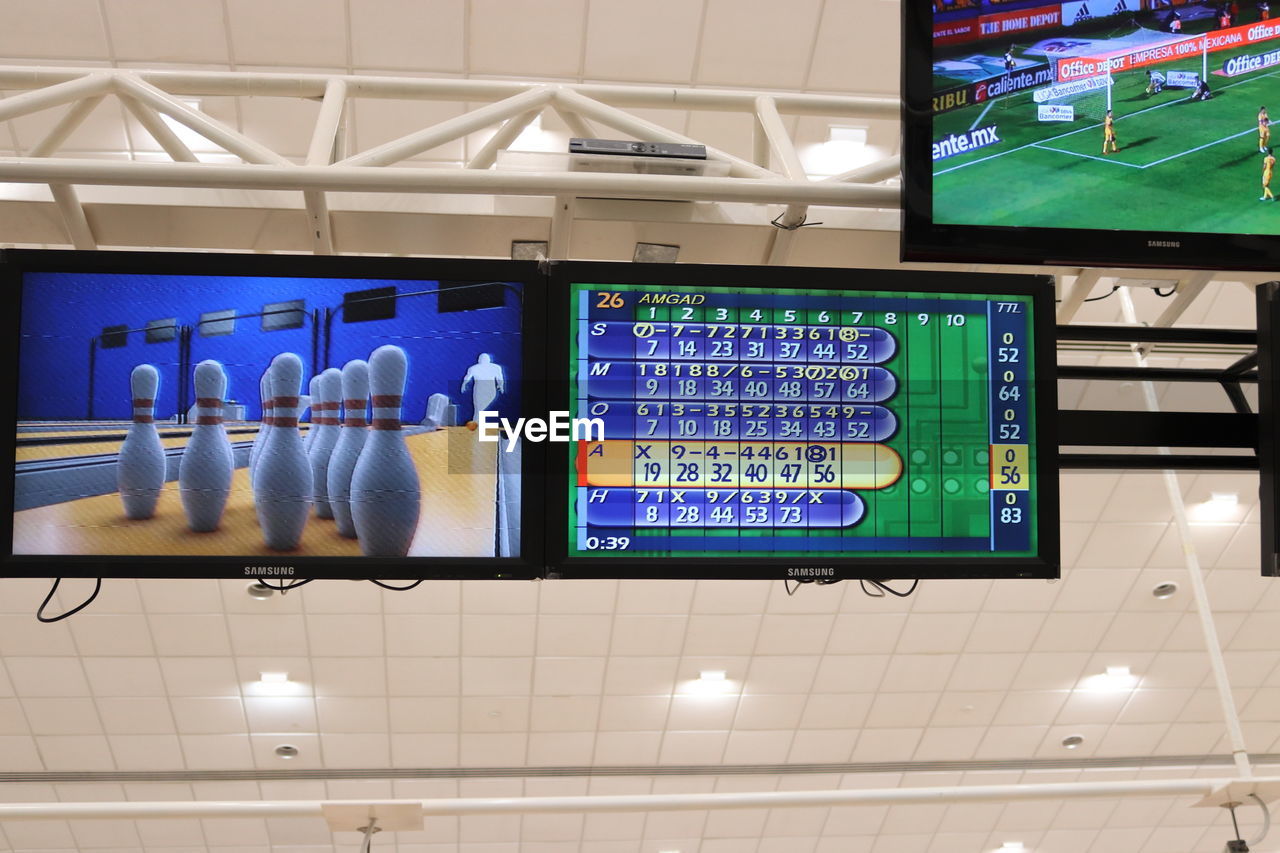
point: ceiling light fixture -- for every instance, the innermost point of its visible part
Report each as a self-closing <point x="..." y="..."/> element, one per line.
<point x="1164" y="590"/>
<point x="1012" y="845"/>
<point x="845" y="149"/>
<point x="285" y="750"/>
<point x="1221" y="506"/>
<point x="711" y="675"/>
<point x="1072" y="741"/>
<point x="1116" y="678"/>
<point x="273" y="677"/>
<point x="260" y="590"/>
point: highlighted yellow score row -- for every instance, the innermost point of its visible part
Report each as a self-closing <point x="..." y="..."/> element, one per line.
<point x="624" y="463"/>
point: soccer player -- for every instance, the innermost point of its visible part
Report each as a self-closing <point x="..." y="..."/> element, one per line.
<point x="1008" y="60"/>
<point x="1155" y="82"/>
<point x="1268" y="166"/>
<point x="1264" y="129"/>
<point x="1109" y="133"/>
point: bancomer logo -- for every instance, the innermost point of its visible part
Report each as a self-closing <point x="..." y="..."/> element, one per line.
<point x="558" y="428"/>
<point x="958" y="143"/>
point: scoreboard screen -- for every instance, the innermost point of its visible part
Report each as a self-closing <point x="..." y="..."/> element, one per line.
<point x="837" y="424"/>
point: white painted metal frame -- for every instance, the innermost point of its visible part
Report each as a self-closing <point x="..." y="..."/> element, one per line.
<point x="154" y="97"/>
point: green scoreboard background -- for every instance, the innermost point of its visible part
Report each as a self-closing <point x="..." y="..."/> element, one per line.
<point x="813" y="431"/>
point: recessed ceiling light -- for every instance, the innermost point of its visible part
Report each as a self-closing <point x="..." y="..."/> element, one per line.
<point x="1164" y="590"/>
<point x="1114" y="679"/>
<point x="260" y="590"/>
<point x="1221" y="506"/>
<point x="1072" y="741"/>
<point x="273" y="677"/>
<point x="1224" y="498"/>
<point x="1012" y="845"/>
<point x="711" y="675"/>
<point x="285" y="750"/>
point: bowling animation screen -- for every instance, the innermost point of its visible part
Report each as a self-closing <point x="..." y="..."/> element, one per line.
<point x="254" y="425"/>
<point x="813" y="433"/>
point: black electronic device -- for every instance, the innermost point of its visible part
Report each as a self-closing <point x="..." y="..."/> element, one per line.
<point x="1033" y="133"/>
<point x="622" y="147"/>
<point x="807" y="424"/>
<point x="81" y="325"/>
<point x="1268" y="300"/>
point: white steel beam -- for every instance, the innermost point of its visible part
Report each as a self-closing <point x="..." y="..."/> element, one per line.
<point x="208" y="127"/>
<point x="71" y="119"/>
<point x="285" y="85"/>
<point x="1187" y="291"/>
<point x="588" y="804"/>
<point x="160" y="132"/>
<point x="82" y="86"/>
<point x="561" y="226"/>
<point x="1085" y="281"/>
<point x="784" y="149"/>
<point x="502" y="139"/>
<point x="871" y="173"/>
<point x="325" y="134"/>
<point x="450" y="129"/>
<point x="340" y="178"/>
<point x="577" y="125"/>
<point x="73" y="218"/>
<point x="641" y="129"/>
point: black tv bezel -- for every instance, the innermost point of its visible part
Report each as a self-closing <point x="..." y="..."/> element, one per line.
<point x="14" y="263"/>
<point x="925" y="240"/>
<point x="1046" y="565"/>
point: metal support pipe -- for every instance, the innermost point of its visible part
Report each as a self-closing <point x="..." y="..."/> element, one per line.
<point x="338" y="178"/>
<point x="1213" y="646"/>
<point x="81" y="86"/>
<point x="1188" y="290"/>
<point x="208" y="127"/>
<point x="631" y="802"/>
<point x="286" y="85"/>
<point x="1075" y="296"/>
<point x="577" y="125"/>
<point x="318" y="217"/>
<point x="450" y="129"/>
<point x="325" y="134"/>
<point x="871" y="173"/>
<point x="160" y="132"/>
<point x="784" y="149"/>
<point x="502" y="139"/>
<point x="73" y="218"/>
<point x="71" y="119"/>
<point x="561" y="226"/>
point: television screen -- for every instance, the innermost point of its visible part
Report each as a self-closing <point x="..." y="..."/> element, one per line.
<point x="1118" y="134"/>
<point x="809" y="424"/>
<point x="231" y="416"/>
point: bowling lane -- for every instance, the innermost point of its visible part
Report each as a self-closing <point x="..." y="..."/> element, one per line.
<point x="458" y="476"/>
<point x="111" y="442"/>
<point x="459" y="484"/>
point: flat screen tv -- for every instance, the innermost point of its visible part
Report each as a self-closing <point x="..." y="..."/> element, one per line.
<point x="1120" y="133"/>
<point x="808" y="424"/>
<point x="203" y="415"/>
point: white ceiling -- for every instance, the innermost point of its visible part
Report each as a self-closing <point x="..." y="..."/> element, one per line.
<point x="158" y="675"/>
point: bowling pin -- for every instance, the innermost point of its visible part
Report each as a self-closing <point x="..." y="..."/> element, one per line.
<point x="312" y="399"/>
<point x="385" y="495"/>
<point x="204" y="472"/>
<point x="282" y="481"/>
<point x="259" y="439"/>
<point x="351" y="438"/>
<point x="324" y="416"/>
<point x="140" y="468"/>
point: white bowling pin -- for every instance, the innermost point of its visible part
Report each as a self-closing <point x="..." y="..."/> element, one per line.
<point x="311" y="400"/>
<point x="351" y="438"/>
<point x="140" y="468"/>
<point x="324" y="416"/>
<point x="282" y="481"/>
<point x="204" y="472"/>
<point x="265" y="428"/>
<point x="385" y="495"/>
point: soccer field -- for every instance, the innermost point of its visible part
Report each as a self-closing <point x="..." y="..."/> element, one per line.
<point x="1182" y="165"/>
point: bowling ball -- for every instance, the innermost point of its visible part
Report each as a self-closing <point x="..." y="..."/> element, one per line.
<point x="471" y="425"/>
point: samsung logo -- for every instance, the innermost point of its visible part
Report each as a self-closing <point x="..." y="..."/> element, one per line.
<point x="254" y="571"/>
<point x="824" y="572"/>
<point x="1164" y="244"/>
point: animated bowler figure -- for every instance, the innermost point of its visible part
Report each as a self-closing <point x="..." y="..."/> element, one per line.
<point x="489" y="383"/>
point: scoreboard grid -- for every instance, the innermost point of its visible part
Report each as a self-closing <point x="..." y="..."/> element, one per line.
<point x="796" y="422"/>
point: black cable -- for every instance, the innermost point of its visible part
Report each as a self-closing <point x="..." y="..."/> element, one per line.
<point x="1110" y="292"/>
<point x="97" y="587"/>
<point x="283" y="589"/>
<point x="884" y="587"/>
<point x="395" y="588"/>
<point x="1164" y="295"/>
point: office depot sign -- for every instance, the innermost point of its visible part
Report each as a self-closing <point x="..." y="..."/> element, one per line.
<point x="1080" y="67"/>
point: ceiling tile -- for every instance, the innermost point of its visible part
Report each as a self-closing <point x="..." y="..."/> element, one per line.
<point x="526" y="40"/>
<point x="738" y="35"/>
<point x="559" y="635"/>
<point x="269" y="33"/>
<point x="58" y="28"/>
<point x="408" y="34"/>
<point x="620" y="40"/>
<point x="156" y="31"/>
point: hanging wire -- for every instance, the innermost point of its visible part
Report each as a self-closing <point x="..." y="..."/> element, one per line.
<point x="395" y="588"/>
<point x="281" y="588"/>
<point x="97" y="587"/>
<point x="879" y="588"/>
